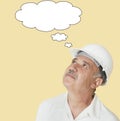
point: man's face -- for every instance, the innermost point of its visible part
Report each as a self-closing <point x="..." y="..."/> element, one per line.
<point x="79" y="76"/>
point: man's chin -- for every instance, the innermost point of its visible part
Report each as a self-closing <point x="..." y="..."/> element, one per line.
<point x="68" y="81"/>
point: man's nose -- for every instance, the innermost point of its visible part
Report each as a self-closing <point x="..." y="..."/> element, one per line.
<point x="72" y="69"/>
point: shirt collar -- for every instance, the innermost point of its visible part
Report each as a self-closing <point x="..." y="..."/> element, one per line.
<point x="93" y="110"/>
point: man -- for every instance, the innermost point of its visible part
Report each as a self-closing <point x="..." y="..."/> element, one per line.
<point x="90" y="68"/>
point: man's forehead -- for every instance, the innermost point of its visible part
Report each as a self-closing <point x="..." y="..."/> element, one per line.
<point x="82" y="53"/>
<point x="85" y="59"/>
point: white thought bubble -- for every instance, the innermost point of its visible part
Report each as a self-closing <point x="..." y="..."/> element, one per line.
<point x="68" y="44"/>
<point x="59" y="37"/>
<point x="48" y="15"/>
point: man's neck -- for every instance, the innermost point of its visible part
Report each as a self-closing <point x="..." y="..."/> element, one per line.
<point x="78" y="102"/>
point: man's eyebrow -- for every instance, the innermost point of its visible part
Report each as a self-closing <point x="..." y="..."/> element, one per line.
<point x="86" y="62"/>
<point x="74" y="59"/>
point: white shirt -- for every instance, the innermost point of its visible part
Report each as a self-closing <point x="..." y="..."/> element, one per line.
<point x="57" y="109"/>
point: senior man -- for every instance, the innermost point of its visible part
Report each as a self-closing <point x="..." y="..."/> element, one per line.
<point x="91" y="67"/>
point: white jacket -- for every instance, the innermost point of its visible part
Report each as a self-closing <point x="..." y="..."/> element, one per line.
<point x="57" y="109"/>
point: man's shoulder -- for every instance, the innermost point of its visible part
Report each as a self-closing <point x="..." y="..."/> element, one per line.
<point x="106" y="113"/>
<point x="51" y="108"/>
<point x="57" y="101"/>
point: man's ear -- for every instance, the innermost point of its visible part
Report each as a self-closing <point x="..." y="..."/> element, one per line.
<point x="97" y="82"/>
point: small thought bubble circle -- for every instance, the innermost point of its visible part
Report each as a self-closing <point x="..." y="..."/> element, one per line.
<point x="59" y="37"/>
<point x="68" y="44"/>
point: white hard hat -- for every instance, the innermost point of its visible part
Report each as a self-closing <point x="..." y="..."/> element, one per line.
<point x="99" y="54"/>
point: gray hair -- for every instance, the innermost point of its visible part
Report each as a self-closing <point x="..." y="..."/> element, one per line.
<point x="101" y="74"/>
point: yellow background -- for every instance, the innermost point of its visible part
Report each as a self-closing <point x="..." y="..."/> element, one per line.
<point x="32" y="64"/>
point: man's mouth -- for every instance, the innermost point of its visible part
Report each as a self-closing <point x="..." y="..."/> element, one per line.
<point x="70" y="75"/>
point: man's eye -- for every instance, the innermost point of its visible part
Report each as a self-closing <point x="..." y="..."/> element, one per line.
<point x="85" y="65"/>
<point x="73" y="61"/>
